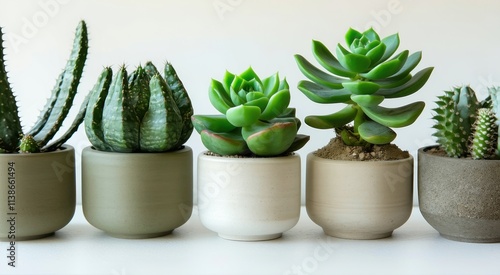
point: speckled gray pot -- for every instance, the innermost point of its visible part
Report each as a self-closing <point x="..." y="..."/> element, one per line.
<point x="137" y="195"/>
<point x="460" y="198"/>
<point x="42" y="190"/>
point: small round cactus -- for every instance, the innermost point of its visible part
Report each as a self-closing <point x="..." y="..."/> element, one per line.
<point x="255" y="118"/>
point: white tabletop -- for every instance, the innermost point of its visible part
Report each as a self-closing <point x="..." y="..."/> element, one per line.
<point x="415" y="248"/>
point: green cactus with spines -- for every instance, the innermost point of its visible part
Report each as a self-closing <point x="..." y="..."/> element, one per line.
<point x="138" y="112"/>
<point x="55" y="110"/>
<point x="363" y="76"/>
<point x="455" y="114"/>
<point x="494" y="101"/>
<point x="484" y="136"/>
<point x="255" y="118"/>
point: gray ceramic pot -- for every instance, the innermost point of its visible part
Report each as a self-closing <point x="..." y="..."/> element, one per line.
<point x="38" y="193"/>
<point x="460" y="198"/>
<point x="137" y="195"/>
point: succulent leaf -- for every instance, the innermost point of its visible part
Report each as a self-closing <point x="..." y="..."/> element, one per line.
<point x="269" y="139"/>
<point x="219" y="97"/>
<point x="214" y="123"/>
<point x="231" y="143"/>
<point x="395" y="117"/>
<point x="242" y="115"/>
<point x="359" y="87"/>
<point x="321" y="94"/>
<point x="326" y="59"/>
<point x="335" y="120"/>
<point x="376" y="133"/>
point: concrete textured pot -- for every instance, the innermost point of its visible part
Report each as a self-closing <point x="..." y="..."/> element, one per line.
<point x="359" y="199"/>
<point x="137" y="195"/>
<point x="460" y="198"/>
<point x="38" y="193"/>
<point x="249" y="199"/>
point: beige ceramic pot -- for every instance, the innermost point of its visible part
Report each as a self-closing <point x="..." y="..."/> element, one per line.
<point x="249" y="199"/>
<point x="359" y="199"/>
<point x="137" y="195"/>
<point x="38" y="193"/>
<point x="460" y="198"/>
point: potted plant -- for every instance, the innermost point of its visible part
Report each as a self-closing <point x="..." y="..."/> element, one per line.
<point x="137" y="177"/>
<point x="38" y="176"/>
<point x="349" y="192"/>
<point x="459" y="179"/>
<point x="249" y="179"/>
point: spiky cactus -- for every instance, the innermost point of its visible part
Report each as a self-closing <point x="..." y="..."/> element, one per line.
<point x="494" y="99"/>
<point x="455" y="114"/>
<point x="55" y="111"/>
<point x="485" y="133"/>
<point x="140" y="112"/>
<point x="255" y="117"/>
<point x="363" y="76"/>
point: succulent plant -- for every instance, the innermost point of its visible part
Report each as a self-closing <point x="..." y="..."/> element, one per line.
<point x="363" y="76"/>
<point x="464" y="125"/>
<point x="140" y="112"/>
<point x="255" y="118"/>
<point x="55" y="111"/>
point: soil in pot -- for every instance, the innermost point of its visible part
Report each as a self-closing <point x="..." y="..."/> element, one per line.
<point x="336" y="149"/>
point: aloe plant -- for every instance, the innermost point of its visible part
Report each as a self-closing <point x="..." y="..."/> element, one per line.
<point x="255" y="118"/>
<point x="362" y="76"/>
<point x="12" y="138"/>
<point x="140" y="112"/>
<point x="466" y="127"/>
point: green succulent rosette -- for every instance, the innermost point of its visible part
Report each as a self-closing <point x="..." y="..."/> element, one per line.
<point x="255" y="117"/>
<point x="362" y="75"/>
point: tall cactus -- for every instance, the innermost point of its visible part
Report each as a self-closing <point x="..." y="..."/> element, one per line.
<point x="138" y="113"/>
<point x="454" y="116"/>
<point x="485" y="133"/>
<point x="55" y="111"/>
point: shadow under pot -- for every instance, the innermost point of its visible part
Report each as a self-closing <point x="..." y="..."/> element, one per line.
<point x="38" y="193"/>
<point x="460" y="197"/>
<point x="137" y="195"/>
<point x="249" y="199"/>
<point x="359" y="199"/>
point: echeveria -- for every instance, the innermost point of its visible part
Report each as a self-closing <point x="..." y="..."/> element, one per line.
<point x="254" y="118"/>
<point x="362" y="76"/>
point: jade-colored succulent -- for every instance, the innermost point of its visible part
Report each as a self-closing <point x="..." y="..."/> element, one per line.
<point x="140" y="112"/>
<point x="464" y="126"/>
<point x="255" y="118"/>
<point x="50" y="120"/>
<point x="362" y="76"/>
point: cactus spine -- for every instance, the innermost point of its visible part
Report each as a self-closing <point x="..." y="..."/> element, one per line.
<point x="138" y="113"/>
<point x="454" y="116"/>
<point x="55" y="111"/>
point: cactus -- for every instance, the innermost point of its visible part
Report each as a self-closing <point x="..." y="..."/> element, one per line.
<point x="454" y="116"/>
<point x="255" y="118"/>
<point x="494" y="100"/>
<point x="363" y="76"/>
<point x="485" y="133"/>
<point x="55" y="111"/>
<point x="140" y="112"/>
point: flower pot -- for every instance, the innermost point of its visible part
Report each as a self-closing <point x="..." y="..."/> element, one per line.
<point x="359" y="199"/>
<point x="460" y="198"/>
<point x="38" y="193"/>
<point x="249" y="199"/>
<point x="137" y="195"/>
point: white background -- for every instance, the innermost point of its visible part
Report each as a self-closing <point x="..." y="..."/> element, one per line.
<point x="203" y="38"/>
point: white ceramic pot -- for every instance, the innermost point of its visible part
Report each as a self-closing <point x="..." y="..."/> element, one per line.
<point x="249" y="199"/>
<point x="38" y="193"/>
<point x="359" y="199"/>
<point x="137" y="195"/>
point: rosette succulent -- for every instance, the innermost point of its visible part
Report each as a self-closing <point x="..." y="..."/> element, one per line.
<point x="255" y="118"/>
<point x="465" y="126"/>
<point x="140" y="112"/>
<point x="50" y="120"/>
<point x="362" y="76"/>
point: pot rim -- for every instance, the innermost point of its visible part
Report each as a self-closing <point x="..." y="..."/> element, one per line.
<point x="358" y="162"/>
<point x="423" y="151"/>
<point x="294" y="155"/>
<point x="64" y="148"/>
<point x="92" y="150"/>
